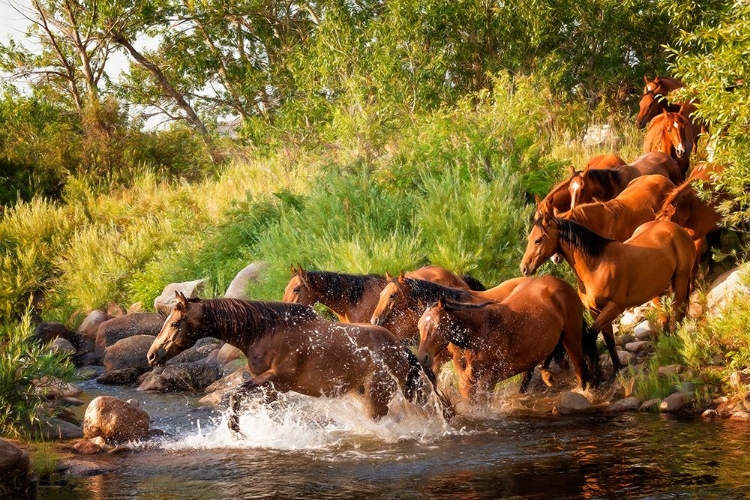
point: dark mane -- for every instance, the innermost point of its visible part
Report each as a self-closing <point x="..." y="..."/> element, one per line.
<point x="335" y="286"/>
<point x="581" y="238"/>
<point x="248" y="319"/>
<point x="678" y="195"/>
<point x="429" y="292"/>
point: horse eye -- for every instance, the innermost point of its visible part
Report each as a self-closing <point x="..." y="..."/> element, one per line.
<point x="296" y="290"/>
<point x="538" y="241"/>
<point x="393" y="296"/>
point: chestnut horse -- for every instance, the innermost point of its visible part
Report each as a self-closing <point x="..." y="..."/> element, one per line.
<point x="671" y="133"/>
<point x="559" y="195"/>
<point x="500" y="340"/>
<point x="353" y="297"/>
<point x="618" y="218"/>
<point x="613" y="276"/>
<point x="661" y="85"/>
<point x="603" y="185"/>
<point x="290" y="348"/>
<point x="699" y="217"/>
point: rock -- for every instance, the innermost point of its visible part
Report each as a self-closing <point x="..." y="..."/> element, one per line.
<point x="628" y="319"/>
<point x="724" y="288"/>
<point x="114" y="420"/>
<point x="14" y="468"/>
<point x="571" y="402"/>
<point x="88" y="359"/>
<point x="627" y="338"/>
<point x="645" y="330"/>
<point x="625" y="357"/>
<point x="623" y="405"/>
<point x="70" y="401"/>
<point x="116" y="329"/>
<point x="180" y="377"/>
<point x="740" y="415"/>
<point x="129" y="353"/>
<point x="238" y="287"/>
<point x="87" y="447"/>
<point x="135" y="308"/>
<point x="54" y="388"/>
<point x="199" y="351"/>
<point x="234" y="365"/>
<point x="710" y="414"/>
<point x="91" y="323"/>
<point x="670" y="370"/>
<point x="639" y="346"/>
<point x="675" y="402"/>
<point x="163" y="303"/>
<point x="62" y="346"/>
<point x="739" y="380"/>
<point x="650" y="405"/>
<point x="695" y="310"/>
<point x="55" y="429"/>
<point x="49" y="330"/>
<point x="89" y="372"/>
<point x="216" y="391"/>
<point x="228" y="353"/>
<point x="600" y="135"/>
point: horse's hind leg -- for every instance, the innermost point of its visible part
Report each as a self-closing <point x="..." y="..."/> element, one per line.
<point x="242" y="391"/>
<point x="526" y="380"/>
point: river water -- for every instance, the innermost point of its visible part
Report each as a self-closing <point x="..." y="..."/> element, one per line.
<point x="310" y="448"/>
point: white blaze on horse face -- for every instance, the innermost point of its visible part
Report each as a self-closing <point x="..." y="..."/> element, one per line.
<point x="650" y="88"/>
<point x="574" y="186"/>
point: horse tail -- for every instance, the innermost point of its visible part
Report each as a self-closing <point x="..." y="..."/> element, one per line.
<point x="414" y="384"/>
<point x="474" y="284"/>
<point x="590" y="352"/>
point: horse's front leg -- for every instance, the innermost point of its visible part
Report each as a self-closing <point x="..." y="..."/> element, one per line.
<point x="603" y="323"/>
<point x="263" y="382"/>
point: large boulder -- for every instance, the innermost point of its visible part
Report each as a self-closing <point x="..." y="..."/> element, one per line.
<point x="14" y="469"/>
<point x="727" y="286"/>
<point x="114" y="420"/>
<point x="238" y="287"/>
<point x="115" y="329"/>
<point x="127" y="354"/>
<point x="48" y="331"/>
<point x="91" y="322"/>
<point x="190" y="289"/>
<point x="201" y="350"/>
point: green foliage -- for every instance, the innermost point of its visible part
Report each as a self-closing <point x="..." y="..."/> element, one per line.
<point x="21" y="363"/>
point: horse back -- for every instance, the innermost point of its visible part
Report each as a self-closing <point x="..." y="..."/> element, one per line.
<point x="439" y="275"/>
<point x="658" y="163"/>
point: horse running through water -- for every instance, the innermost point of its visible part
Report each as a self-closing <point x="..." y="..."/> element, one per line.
<point x="290" y="348"/>
<point x="603" y="185"/>
<point x="500" y="340"/>
<point x="613" y="276"/>
<point x="559" y="196"/>
<point x="618" y="218"/>
<point x="671" y="133"/>
<point x="699" y="217"/>
<point x="353" y="297"/>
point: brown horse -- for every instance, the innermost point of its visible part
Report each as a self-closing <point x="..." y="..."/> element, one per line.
<point x="353" y="297"/>
<point x="671" y="133"/>
<point x="618" y="218"/>
<point x="613" y="276"/>
<point x="559" y="195"/>
<point x="661" y="85"/>
<point x="603" y="185"/>
<point x="500" y="340"/>
<point x="699" y="217"/>
<point x="290" y="348"/>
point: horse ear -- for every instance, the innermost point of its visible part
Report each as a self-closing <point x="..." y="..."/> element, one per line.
<point x="441" y="301"/>
<point x="536" y="198"/>
<point x="571" y="170"/>
<point x="555" y="212"/>
<point x="388" y="276"/>
<point x="401" y="277"/>
<point x="300" y="271"/>
<point x="645" y="79"/>
<point x="181" y="300"/>
<point x="292" y="269"/>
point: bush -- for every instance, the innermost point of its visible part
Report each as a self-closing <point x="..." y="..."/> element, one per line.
<point x="22" y="362"/>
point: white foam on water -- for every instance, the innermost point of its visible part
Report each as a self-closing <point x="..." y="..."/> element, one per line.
<point x="301" y="423"/>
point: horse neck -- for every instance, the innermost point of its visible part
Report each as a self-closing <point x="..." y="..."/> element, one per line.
<point x="471" y="323"/>
<point x="582" y="263"/>
<point x="335" y="291"/>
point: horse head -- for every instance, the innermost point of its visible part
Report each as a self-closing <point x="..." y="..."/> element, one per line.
<point x="649" y="107"/>
<point x="298" y="290"/>
<point x="542" y="244"/>
<point x="181" y="330"/>
<point x="432" y="337"/>
<point x="676" y="134"/>
<point x="390" y="297"/>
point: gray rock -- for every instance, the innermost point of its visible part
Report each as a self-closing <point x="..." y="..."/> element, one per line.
<point x="129" y="353"/>
<point x="181" y="377"/>
<point x="14" y="468"/>
<point x="650" y="405"/>
<point x="55" y="429"/>
<point x="91" y="323"/>
<point x="238" y="287"/>
<point x="48" y="331"/>
<point x="163" y="303"/>
<point x="571" y="402"/>
<point x="675" y="402"/>
<point x="122" y="376"/>
<point x="626" y="358"/>
<point x="63" y="346"/>
<point x="710" y="414"/>
<point x="740" y="415"/>
<point x="114" y="420"/>
<point x="739" y="380"/>
<point x="196" y="353"/>
<point x="623" y="405"/>
<point x="228" y="353"/>
<point x="670" y="370"/>
<point x="724" y="288"/>
<point x="84" y="468"/>
<point x="628" y="319"/>
<point x="216" y="391"/>
<point x="640" y="345"/>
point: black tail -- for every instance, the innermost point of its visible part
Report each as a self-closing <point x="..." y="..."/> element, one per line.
<point x="414" y="384"/>
<point x="473" y="283"/>
<point x="590" y="353"/>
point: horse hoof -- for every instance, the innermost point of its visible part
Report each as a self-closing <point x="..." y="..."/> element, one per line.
<point x="546" y="377"/>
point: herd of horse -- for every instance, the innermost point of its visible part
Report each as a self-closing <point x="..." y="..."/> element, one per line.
<point x="631" y="232"/>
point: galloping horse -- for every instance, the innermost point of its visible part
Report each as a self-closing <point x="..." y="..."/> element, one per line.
<point x="353" y="297"/>
<point x="699" y="217"/>
<point x="613" y="276"/>
<point x="603" y="185"/>
<point x="500" y="340"/>
<point x="559" y="195"/>
<point x="671" y="133"/>
<point x="618" y="218"/>
<point x="290" y="348"/>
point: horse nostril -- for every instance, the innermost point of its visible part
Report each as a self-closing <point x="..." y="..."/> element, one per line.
<point x="151" y="357"/>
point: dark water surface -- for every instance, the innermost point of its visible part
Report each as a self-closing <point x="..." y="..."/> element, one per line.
<point x="305" y="448"/>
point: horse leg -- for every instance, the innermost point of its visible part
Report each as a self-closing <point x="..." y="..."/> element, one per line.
<point x="526" y="380"/>
<point x="603" y="323"/>
<point x="256" y="385"/>
<point x="379" y="389"/>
